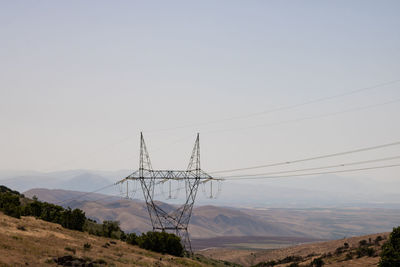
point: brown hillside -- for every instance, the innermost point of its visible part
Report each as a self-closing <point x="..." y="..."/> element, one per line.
<point x="307" y="251"/>
<point x="33" y="242"/>
<point x="206" y="221"/>
<point x="212" y="221"/>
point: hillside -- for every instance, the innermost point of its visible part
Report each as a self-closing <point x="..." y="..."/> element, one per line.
<point x="333" y="253"/>
<point x="30" y="241"/>
<point x="206" y="222"/>
<point x="216" y="221"/>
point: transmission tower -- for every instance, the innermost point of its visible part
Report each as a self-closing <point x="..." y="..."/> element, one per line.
<point x="177" y="220"/>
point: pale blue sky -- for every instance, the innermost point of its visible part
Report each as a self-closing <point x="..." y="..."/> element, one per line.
<point x="80" y="79"/>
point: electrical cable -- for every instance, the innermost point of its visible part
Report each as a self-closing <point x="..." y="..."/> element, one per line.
<point x="318" y="168"/>
<point x="305" y="118"/>
<point x="310" y="158"/>
<point x="288" y="107"/>
<point x="85" y="194"/>
<point x="315" y="173"/>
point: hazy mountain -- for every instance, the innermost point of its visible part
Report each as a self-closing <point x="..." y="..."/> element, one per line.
<point x="211" y="221"/>
<point x="81" y="180"/>
<point x="320" y="191"/>
<point x="207" y="221"/>
<point x="299" y="192"/>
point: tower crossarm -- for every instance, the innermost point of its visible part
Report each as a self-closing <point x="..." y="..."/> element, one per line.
<point x="164" y="175"/>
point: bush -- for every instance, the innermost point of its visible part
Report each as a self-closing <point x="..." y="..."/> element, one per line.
<point x="111" y="229"/>
<point x="93" y="228"/>
<point x="390" y="255"/>
<point x="349" y="256"/>
<point x="266" y="264"/>
<point x="87" y="246"/>
<point x="132" y="239"/>
<point x="294" y="260"/>
<point x="317" y="262"/>
<point x="10" y="204"/>
<point x="73" y="219"/>
<point x="4" y="189"/>
<point x="161" y="242"/>
<point x="365" y="251"/>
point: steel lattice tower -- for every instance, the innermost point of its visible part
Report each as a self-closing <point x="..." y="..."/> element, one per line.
<point x="177" y="220"/>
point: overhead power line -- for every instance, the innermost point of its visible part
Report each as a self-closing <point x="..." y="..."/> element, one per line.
<point x="282" y="108"/>
<point x="318" y="168"/>
<point x="315" y="173"/>
<point x="307" y="118"/>
<point x="106" y="197"/>
<point x="85" y="194"/>
<point x="287" y="107"/>
<point x="310" y="158"/>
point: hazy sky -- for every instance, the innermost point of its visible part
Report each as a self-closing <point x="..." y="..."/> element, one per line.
<point x="80" y="79"/>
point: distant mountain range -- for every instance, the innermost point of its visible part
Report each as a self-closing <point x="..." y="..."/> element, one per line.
<point x="80" y="180"/>
<point x="207" y="221"/>
<point x="304" y="192"/>
<point x="212" y="221"/>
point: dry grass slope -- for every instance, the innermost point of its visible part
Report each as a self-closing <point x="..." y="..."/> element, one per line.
<point x="33" y="242"/>
<point x="307" y="251"/>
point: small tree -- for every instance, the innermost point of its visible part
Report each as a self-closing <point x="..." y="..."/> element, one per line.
<point x="10" y="204"/>
<point x="131" y="239"/>
<point x="390" y="255"/>
<point x="111" y="229"/>
<point x="161" y="242"/>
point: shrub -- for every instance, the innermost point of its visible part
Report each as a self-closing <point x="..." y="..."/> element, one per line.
<point x="390" y="255"/>
<point x="365" y="251"/>
<point x="317" y="262"/>
<point x="349" y="256"/>
<point x="266" y="264"/>
<point x="73" y="219"/>
<point x="10" y="204"/>
<point x="161" y="242"/>
<point x="111" y="229"/>
<point x="294" y="260"/>
<point x="4" y="189"/>
<point x="87" y="246"/>
<point x="132" y="239"/>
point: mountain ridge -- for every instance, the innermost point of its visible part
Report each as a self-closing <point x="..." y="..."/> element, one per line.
<point x="212" y="221"/>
